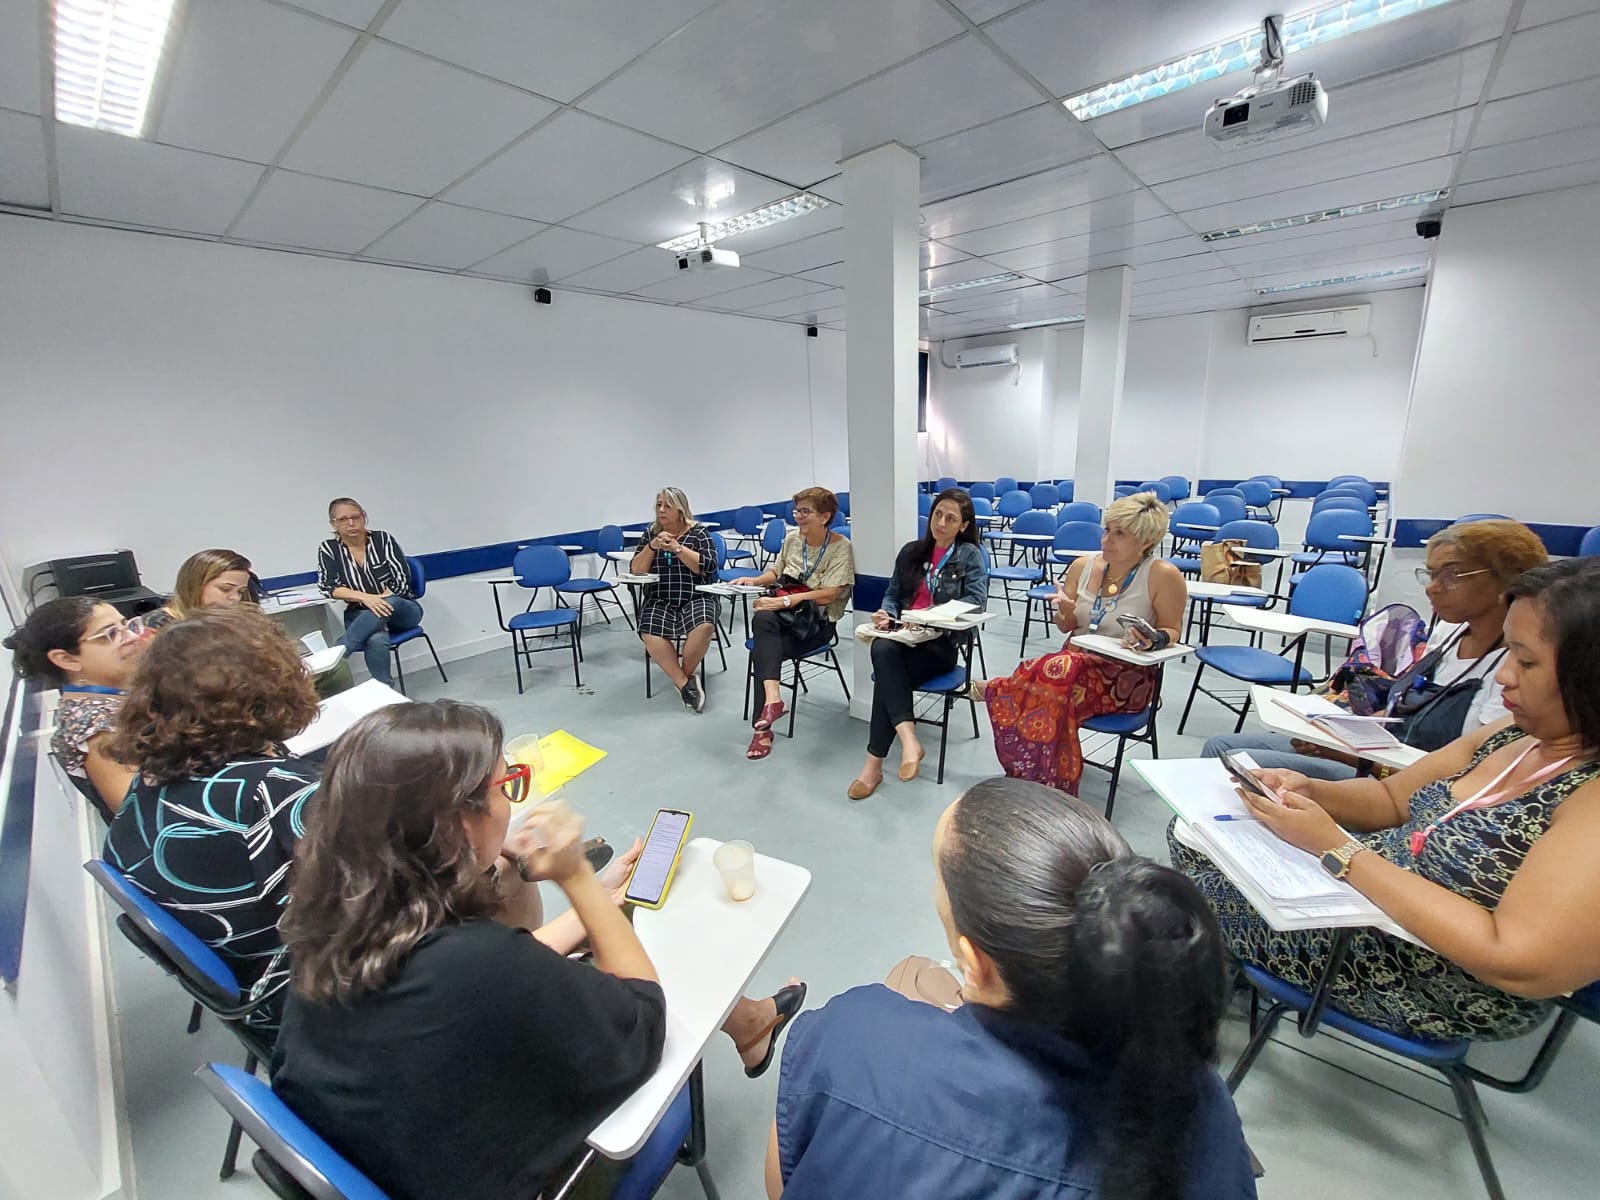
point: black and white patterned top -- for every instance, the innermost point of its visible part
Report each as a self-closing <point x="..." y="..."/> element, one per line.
<point x="386" y="571"/>
<point x="671" y="608"/>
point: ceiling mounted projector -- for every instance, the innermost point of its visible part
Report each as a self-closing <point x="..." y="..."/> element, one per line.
<point x="705" y="256"/>
<point x="1270" y="108"/>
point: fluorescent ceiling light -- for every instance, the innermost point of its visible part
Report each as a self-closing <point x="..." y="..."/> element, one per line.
<point x="1328" y="214"/>
<point x="1394" y="273"/>
<point x="971" y="283"/>
<point x="1242" y="52"/>
<point x="1051" y="321"/>
<point x="790" y="207"/>
<point x="107" y="52"/>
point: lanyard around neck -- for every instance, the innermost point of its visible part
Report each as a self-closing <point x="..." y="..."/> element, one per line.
<point x="806" y="565"/>
<point x="1100" y="605"/>
<point x="95" y="688"/>
<point x="935" y="561"/>
<point x="1491" y="794"/>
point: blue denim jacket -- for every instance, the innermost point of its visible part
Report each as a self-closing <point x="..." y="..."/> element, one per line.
<point x="962" y="576"/>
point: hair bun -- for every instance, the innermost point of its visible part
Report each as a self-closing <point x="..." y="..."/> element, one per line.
<point x="10" y="640"/>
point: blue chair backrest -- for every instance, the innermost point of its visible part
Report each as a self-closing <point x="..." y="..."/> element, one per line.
<point x="1004" y="484"/>
<point x="944" y="483"/>
<point x="1079" y="535"/>
<point x="1229" y="507"/>
<point x="1044" y="495"/>
<point x="198" y="962"/>
<point x="1256" y="493"/>
<point x="1201" y="512"/>
<point x="1330" y="592"/>
<point x="1338" y="479"/>
<point x="1258" y="535"/>
<point x="924" y="504"/>
<point x="1270" y="480"/>
<point x="1324" y="529"/>
<point x="1162" y="491"/>
<point x="1471" y="517"/>
<point x="608" y="539"/>
<point x="721" y="548"/>
<point x="1224" y="491"/>
<point x="842" y="529"/>
<point x="541" y="566"/>
<point x="1034" y="522"/>
<point x="982" y="507"/>
<point x="922" y="527"/>
<point x="1123" y="491"/>
<point x="772" y="536"/>
<point x="1590" y="544"/>
<point x="981" y="491"/>
<point x="747" y="520"/>
<point x="1177" y="485"/>
<point x="1013" y="504"/>
<point x="288" y="1141"/>
<point x="844" y="503"/>
<point x="1365" y="490"/>
<point x="1348" y="503"/>
<point x="419" y="579"/>
<point x="1064" y="490"/>
<point x="1078" y="510"/>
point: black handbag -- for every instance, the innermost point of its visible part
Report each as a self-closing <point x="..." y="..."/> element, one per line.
<point x="1433" y="714"/>
<point x="802" y="621"/>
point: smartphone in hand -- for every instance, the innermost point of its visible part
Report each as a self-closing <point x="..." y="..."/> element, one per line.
<point x="1247" y="778"/>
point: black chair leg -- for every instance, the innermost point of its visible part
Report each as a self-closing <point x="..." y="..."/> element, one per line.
<point x="944" y="733"/>
<point x="1195" y="687"/>
<point x="1472" y="1118"/>
<point x="794" y="695"/>
<point x="1258" y="1041"/>
<point x="194" y="1018"/>
<point x="1116" y="774"/>
<point x="516" y="659"/>
<point x="436" y="661"/>
<point x="399" y="670"/>
<point x="230" y="1156"/>
<point x="577" y="653"/>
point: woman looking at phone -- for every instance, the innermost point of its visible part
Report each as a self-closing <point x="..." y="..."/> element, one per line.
<point x="1483" y="850"/>
<point x="1036" y="711"/>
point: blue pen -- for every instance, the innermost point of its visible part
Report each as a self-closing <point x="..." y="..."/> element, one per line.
<point x="1231" y="817"/>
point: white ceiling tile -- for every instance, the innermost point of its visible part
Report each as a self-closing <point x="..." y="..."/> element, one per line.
<point x="1550" y="54"/>
<point x="1354" y="189"/>
<point x="1320" y="240"/>
<point x="566" y="166"/>
<point x="1172" y="268"/>
<point x="1154" y="285"/>
<point x="629" y="273"/>
<point x="748" y="62"/>
<point x="819" y="251"/>
<point x="1357" y="265"/>
<point x="557" y="49"/>
<point x="807" y="305"/>
<point x="912" y="103"/>
<point x="1548" y="180"/>
<point x="1533" y="114"/>
<point x="123" y="179"/>
<point x="1048" y="191"/>
<point x="1540" y="12"/>
<point x="446" y="235"/>
<point x="833" y="276"/>
<point x="403" y="122"/>
<point x="1110" y="213"/>
<point x="979" y="11"/>
<point x="959" y="272"/>
<point x="19" y="55"/>
<point x="814" y="224"/>
<point x="772" y="291"/>
<point x="553" y="255"/>
<point x="936" y="254"/>
<point x="995" y="296"/>
<point x="699" y="285"/>
<point x="1139" y="251"/>
<point x="320" y="214"/>
<point x="1533" y="154"/>
<point x="672" y="204"/>
<point x="243" y="76"/>
<point x="355" y="13"/>
<point x="22" y="170"/>
<point x="1022" y="144"/>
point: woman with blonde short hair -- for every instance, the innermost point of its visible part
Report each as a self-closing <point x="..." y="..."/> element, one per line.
<point x="1036" y="711"/>
<point x="676" y="622"/>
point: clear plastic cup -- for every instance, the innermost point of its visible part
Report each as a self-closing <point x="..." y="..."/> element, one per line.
<point x="736" y="862"/>
<point x="523" y="750"/>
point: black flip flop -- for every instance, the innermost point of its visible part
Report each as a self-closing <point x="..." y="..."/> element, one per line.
<point x="788" y="1000"/>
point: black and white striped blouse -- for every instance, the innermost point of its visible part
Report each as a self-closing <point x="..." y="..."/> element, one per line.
<point x="386" y="571"/>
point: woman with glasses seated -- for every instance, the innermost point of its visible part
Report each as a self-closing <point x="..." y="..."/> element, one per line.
<point x="672" y="614"/>
<point x="428" y="1037"/>
<point x="367" y="569"/>
<point x="211" y="577"/>
<point x="813" y="575"/>
<point x="1469" y="568"/>
<point x="88" y="652"/>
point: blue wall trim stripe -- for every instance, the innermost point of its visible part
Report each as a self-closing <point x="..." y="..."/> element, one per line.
<point x="16" y="838"/>
<point x="1560" y="540"/>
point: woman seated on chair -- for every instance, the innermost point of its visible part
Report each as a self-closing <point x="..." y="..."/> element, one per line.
<point x="1484" y="850"/>
<point x="1037" y="710"/>
<point x="367" y="569"/>
<point x="410" y="913"/>
<point x="88" y="652"/>
<point x="813" y="574"/>
<point x="671" y="613"/>
<point x="1079" y="1064"/>
<point x="211" y="577"/>
<point x="1469" y="568"/>
<point x="945" y="564"/>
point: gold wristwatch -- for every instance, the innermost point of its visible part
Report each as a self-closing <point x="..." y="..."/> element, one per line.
<point x="1336" y="862"/>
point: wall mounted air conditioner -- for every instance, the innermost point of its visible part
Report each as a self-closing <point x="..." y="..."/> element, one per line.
<point x="1313" y="325"/>
<point x="988" y="356"/>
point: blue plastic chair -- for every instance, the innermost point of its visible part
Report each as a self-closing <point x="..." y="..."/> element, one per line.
<point x="1471" y="517"/>
<point x="982" y="507"/>
<point x="1324" y="536"/>
<point x="533" y="568"/>
<point x="1064" y="490"/>
<point x="1186" y="539"/>
<point x="1078" y="510"/>
<point x="1029" y="570"/>
<point x="1338" y="479"/>
<point x="1257" y="535"/>
<point x="1329" y="500"/>
<point x="1163" y="491"/>
<point x="1044" y="496"/>
<point x="1074" y="535"/>
<point x="1356" y="488"/>
<point x="844" y="503"/>
<point x="819" y="660"/>
<point x="1590" y="544"/>
<point x="981" y="491"/>
<point x="1258" y="500"/>
<point x="598" y="591"/>
<point x="924" y="504"/>
<point x="772" y="538"/>
<point x="944" y="483"/>
<point x="399" y="637"/>
<point x="198" y="969"/>
<point x="1326" y="593"/>
<point x="1177" y="486"/>
<point x="747" y="525"/>
<point x="610" y="545"/>
<point x="1004" y="484"/>
<point x="948" y="688"/>
<point x="1271" y="481"/>
<point x="1012" y="505"/>
<point x="922" y="527"/>
<point x="1123" y="491"/>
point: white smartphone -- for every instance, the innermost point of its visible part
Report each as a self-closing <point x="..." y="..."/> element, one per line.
<point x="658" y="861"/>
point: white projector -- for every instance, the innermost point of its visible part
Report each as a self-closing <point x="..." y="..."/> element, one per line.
<point x="1274" y="110"/>
<point x="707" y="258"/>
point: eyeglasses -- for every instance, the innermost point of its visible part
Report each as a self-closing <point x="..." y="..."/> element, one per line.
<point x="515" y="783"/>
<point x="115" y="635"/>
<point x="805" y="512"/>
<point x="1446" y="577"/>
<point x="349" y="519"/>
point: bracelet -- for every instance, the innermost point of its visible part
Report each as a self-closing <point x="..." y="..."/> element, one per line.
<point x="786" y="600"/>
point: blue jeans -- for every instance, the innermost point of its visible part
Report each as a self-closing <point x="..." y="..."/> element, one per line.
<point x="1273" y="750"/>
<point x="367" y="632"/>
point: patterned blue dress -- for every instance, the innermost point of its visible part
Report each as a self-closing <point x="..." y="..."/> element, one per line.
<point x="1388" y="982"/>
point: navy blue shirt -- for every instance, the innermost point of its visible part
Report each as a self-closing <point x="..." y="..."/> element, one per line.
<point x="882" y="1096"/>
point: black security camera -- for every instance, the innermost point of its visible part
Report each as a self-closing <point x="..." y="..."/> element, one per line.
<point x="541" y="295"/>
<point x="1429" y="227"/>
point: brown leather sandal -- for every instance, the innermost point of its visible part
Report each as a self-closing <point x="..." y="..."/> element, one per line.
<point x="760" y="745"/>
<point x="769" y="716"/>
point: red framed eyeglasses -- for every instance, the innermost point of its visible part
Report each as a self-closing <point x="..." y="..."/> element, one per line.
<point x="515" y="783"/>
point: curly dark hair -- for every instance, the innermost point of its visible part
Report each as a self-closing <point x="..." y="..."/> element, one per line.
<point x="55" y="625"/>
<point x="219" y="685"/>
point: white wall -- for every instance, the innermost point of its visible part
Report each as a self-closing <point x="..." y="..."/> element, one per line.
<point x="1504" y="415"/>
<point x="985" y="421"/>
<point x="170" y="395"/>
<point x="1164" y="392"/>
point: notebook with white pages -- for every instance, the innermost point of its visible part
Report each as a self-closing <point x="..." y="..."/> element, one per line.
<point x="338" y="713"/>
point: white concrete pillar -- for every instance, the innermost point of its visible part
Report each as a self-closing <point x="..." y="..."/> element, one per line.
<point x="881" y="283"/>
<point x="1105" y="353"/>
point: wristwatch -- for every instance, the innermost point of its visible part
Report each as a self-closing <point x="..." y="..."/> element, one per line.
<point x="786" y="600"/>
<point x="1336" y="862"/>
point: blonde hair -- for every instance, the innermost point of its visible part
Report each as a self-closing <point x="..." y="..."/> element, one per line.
<point x="677" y="500"/>
<point x="1141" y="514"/>
<point x="197" y="571"/>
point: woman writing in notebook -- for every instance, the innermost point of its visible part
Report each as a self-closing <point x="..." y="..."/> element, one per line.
<point x="1484" y="850"/>
<point x="1036" y="711"/>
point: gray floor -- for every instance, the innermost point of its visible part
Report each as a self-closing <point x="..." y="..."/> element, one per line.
<point x="1319" y="1130"/>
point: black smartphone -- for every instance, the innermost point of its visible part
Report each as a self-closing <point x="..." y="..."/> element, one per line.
<point x="658" y="861"/>
<point x="1247" y="777"/>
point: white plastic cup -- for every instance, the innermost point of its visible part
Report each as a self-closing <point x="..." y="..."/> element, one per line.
<point x="524" y="751"/>
<point x="736" y="861"/>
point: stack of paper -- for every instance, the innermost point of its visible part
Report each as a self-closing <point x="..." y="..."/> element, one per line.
<point x="1359" y="733"/>
<point x="340" y="712"/>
